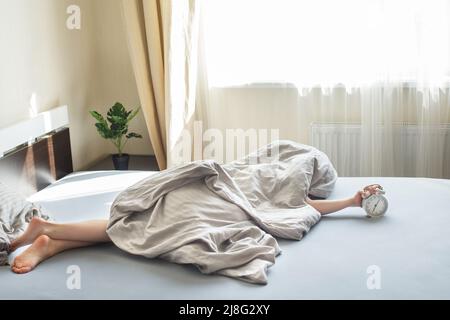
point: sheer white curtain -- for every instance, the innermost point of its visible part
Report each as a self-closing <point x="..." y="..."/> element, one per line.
<point x="381" y="68"/>
<point x="183" y="108"/>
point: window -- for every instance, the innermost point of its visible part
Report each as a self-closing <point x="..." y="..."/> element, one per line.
<point x="325" y="42"/>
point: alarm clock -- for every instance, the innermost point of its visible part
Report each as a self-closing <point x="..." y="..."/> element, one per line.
<point x="376" y="204"/>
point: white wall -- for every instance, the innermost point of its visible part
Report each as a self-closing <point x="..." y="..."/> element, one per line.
<point x="85" y="69"/>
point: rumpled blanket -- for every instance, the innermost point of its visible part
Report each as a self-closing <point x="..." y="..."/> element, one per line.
<point x="15" y="214"/>
<point x="224" y="218"/>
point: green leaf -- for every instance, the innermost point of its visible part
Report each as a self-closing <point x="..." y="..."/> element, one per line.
<point x="133" y="135"/>
<point x="117" y="120"/>
<point x="103" y="130"/>
<point x="116" y="130"/>
<point x="97" y="116"/>
<point x="117" y="110"/>
<point x="132" y="115"/>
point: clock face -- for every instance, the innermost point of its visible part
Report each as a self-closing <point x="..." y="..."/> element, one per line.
<point x="375" y="205"/>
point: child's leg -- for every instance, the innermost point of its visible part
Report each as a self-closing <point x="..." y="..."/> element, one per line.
<point x="87" y="231"/>
<point x="90" y="231"/>
<point x="43" y="248"/>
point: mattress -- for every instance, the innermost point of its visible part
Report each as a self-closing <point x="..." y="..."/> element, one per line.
<point x="408" y="251"/>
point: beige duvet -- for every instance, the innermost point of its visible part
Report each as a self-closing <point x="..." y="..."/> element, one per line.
<point x="224" y="218"/>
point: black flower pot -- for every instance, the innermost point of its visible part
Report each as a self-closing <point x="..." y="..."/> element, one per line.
<point x="121" y="162"/>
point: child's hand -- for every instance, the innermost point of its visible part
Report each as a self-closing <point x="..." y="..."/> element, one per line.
<point x="366" y="192"/>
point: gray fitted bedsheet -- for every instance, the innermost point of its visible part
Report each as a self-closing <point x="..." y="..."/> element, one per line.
<point x="410" y="248"/>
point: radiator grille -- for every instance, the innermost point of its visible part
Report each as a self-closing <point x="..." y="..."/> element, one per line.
<point x="342" y="144"/>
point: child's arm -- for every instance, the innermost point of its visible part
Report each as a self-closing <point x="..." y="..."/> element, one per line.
<point x="329" y="206"/>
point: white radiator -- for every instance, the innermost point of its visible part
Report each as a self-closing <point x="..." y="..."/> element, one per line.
<point x="342" y="144"/>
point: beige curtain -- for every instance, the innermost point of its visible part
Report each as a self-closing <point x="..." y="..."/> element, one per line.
<point x="145" y="30"/>
<point x="163" y="41"/>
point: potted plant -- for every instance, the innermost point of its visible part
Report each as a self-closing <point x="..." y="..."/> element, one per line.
<point x="115" y="129"/>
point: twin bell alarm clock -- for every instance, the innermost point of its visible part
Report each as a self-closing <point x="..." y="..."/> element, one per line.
<point x="376" y="204"/>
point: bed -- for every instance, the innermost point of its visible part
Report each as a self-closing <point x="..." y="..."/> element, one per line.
<point x="409" y="248"/>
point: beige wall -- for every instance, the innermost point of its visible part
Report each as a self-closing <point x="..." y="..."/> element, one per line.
<point x="85" y="69"/>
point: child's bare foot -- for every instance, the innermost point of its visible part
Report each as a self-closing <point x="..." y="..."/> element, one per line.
<point x="38" y="252"/>
<point x="34" y="230"/>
